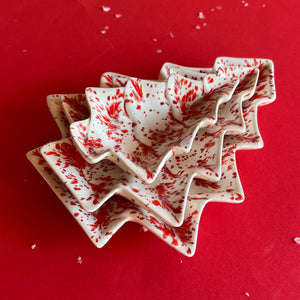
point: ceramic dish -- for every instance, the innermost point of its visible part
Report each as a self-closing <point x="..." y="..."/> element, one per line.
<point x="54" y="103"/>
<point x="101" y="224"/>
<point x="266" y="85"/>
<point x="113" y="80"/>
<point x="93" y="184"/>
<point x="139" y="128"/>
<point x="79" y="176"/>
<point x="264" y="94"/>
<point x="75" y="107"/>
<point x="189" y="72"/>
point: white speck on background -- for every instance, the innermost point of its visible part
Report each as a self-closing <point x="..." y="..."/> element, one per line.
<point x="103" y="31"/>
<point x="171" y="35"/>
<point x="197" y="27"/>
<point x="118" y="16"/>
<point x="159" y="51"/>
<point x="219" y="7"/>
<point x="201" y="15"/>
<point x="144" y="229"/>
<point x="79" y="260"/>
<point x="247" y="294"/>
<point x="297" y="240"/>
<point x="106" y="27"/>
<point x="154" y="40"/>
<point x="106" y="8"/>
<point x="33" y="246"/>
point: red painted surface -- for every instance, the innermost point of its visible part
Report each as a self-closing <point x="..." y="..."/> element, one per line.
<point x="57" y="47"/>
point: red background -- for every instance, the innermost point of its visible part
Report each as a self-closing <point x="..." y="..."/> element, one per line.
<point x="56" y="47"/>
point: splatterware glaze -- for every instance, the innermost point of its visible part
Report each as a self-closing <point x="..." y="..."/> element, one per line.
<point x="140" y="126"/>
<point x="93" y="184"/>
<point x="170" y="205"/>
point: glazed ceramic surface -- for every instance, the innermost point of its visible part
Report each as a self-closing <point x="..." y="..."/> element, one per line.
<point x="103" y="223"/>
<point x="237" y="123"/>
<point x="75" y="107"/>
<point x="142" y="125"/>
<point x="190" y="72"/>
<point x="54" y="103"/>
<point x="264" y="94"/>
<point x="93" y="184"/>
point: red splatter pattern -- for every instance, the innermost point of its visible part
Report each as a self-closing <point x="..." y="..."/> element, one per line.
<point x="236" y="123"/>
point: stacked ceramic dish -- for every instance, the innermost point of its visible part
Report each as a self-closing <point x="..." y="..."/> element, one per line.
<point x="155" y="152"/>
